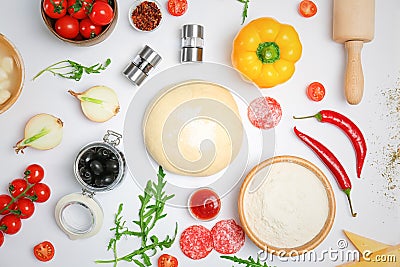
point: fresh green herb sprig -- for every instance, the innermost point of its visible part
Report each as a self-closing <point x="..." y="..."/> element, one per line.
<point x="73" y="70"/>
<point x="152" y="204"/>
<point x="250" y="262"/>
<point x="245" y="8"/>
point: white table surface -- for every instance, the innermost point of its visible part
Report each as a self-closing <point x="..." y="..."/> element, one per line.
<point x="322" y="60"/>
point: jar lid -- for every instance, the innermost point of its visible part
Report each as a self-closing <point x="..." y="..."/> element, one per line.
<point x="79" y="215"/>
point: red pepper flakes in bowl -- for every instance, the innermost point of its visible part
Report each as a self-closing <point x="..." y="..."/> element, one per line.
<point x="145" y="15"/>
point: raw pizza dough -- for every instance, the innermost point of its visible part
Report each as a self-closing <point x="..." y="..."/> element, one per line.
<point x="193" y="129"/>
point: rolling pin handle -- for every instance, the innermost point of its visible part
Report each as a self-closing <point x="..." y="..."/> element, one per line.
<point x="354" y="78"/>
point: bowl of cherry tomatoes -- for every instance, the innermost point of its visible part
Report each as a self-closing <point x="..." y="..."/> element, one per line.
<point x="80" y="22"/>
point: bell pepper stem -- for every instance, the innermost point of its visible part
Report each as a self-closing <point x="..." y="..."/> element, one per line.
<point x="268" y="52"/>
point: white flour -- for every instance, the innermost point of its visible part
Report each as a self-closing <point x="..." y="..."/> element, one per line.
<point x="289" y="208"/>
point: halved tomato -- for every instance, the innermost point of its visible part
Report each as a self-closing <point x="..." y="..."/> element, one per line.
<point x="307" y="8"/>
<point x="166" y="260"/>
<point x="177" y="7"/>
<point x="316" y="91"/>
<point x="44" y="251"/>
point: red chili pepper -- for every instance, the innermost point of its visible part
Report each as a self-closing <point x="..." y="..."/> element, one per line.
<point x="331" y="162"/>
<point x="349" y="128"/>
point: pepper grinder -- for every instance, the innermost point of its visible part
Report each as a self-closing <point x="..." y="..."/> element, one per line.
<point x="192" y="43"/>
<point x="138" y="70"/>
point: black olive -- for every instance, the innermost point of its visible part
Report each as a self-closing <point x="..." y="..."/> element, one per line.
<point x="86" y="175"/>
<point x="111" y="166"/>
<point x="87" y="157"/>
<point x="104" y="153"/>
<point x="99" y="181"/>
<point x="108" y="179"/>
<point x="96" y="167"/>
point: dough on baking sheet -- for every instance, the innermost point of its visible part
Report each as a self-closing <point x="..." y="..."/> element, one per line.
<point x="193" y="129"/>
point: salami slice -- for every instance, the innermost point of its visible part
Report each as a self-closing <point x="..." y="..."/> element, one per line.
<point x="228" y="237"/>
<point x="264" y="112"/>
<point x="196" y="242"/>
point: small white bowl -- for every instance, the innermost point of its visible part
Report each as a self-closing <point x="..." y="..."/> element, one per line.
<point x="133" y="7"/>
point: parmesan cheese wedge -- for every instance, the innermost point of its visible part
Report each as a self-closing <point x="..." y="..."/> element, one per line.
<point x="362" y="243"/>
<point x="387" y="257"/>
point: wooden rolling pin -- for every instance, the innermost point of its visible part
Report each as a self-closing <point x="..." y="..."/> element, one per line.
<point x="353" y="25"/>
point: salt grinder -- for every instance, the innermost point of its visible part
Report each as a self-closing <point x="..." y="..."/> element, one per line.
<point x="138" y="70"/>
<point x="192" y="43"/>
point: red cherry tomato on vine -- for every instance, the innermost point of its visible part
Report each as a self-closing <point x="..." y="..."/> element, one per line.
<point x="67" y="27"/>
<point x="316" y="91"/>
<point x="25" y="207"/>
<point x="166" y="260"/>
<point x="10" y="224"/>
<point x="1" y="238"/>
<point x="34" y="173"/>
<point x="39" y="193"/>
<point x="4" y="201"/>
<point x="17" y="186"/>
<point x="44" y="251"/>
<point x="79" y="9"/>
<point x="55" y="8"/>
<point x="177" y="7"/>
<point x="307" y="8"/>
<point x="101" y="14"/>
<point x="88" y="29"/>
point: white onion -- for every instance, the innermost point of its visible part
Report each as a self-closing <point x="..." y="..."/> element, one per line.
<point x="43" y="131"/>
<point x="98" y="103"/>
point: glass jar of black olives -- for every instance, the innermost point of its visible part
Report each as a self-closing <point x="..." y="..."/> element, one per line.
<point x="98" y="167"/>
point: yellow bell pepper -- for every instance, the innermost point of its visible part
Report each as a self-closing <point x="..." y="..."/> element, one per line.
<point x="265" y="52"/>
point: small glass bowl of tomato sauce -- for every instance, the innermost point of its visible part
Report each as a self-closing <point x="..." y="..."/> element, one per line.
<point x="204" y="204"/>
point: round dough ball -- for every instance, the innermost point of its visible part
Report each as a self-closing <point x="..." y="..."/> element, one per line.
<point x="193" y="129"/>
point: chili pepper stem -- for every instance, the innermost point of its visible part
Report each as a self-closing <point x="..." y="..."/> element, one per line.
<point x="347" y="192"/>
<point x="318" y="116"/>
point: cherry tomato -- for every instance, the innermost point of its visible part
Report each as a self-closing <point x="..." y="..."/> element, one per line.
<point x="1" y="238"/>
<point x="17" y="186"/>
<point x="316" y="91"/>
<point x="166" y="260"/>
<point x="55" y="8"/>
<point x="177" y="7"/>
<point x="307" y="8"/>
<point x="25" y="207"/>
<point x="44" y="251"/>
<point x="34" y="173"/>
<point x="101" y="14"/>
<point x="39" y="193"/>
<point x="67" y="27"/>
<point x="88" y="29"/>
<point x="10" y="224"/>
<point x="79" y="9"/>
<point x="4" y="201"/>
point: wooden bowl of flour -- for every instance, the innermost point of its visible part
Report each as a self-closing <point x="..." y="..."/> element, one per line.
<point x="286" y="206"/>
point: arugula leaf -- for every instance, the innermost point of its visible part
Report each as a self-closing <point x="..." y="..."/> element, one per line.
<point x="73" y="70"/>
<point x="245" y="8"/>
<point x="151" y="210"/>
<point x="250" y="262"/>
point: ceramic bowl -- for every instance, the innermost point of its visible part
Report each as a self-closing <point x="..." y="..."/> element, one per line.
<point x="7" y="49"/>
<point x="135" y="5"/>
<point x="107" y="30"/>
<point x="264" y="244"/>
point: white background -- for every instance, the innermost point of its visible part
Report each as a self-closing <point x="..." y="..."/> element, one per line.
<point x="322" y="60"/>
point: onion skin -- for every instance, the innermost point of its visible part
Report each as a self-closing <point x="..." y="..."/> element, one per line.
<point x="42" y="131"/>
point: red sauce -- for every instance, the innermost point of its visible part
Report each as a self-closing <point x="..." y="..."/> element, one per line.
<point x="204" y="204"/>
